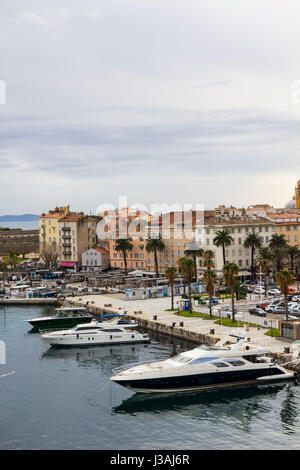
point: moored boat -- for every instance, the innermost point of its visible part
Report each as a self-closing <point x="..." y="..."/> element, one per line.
<point x="95" y="333"/>
<point x="65" y="316"/>
<point x="225" y="364"/>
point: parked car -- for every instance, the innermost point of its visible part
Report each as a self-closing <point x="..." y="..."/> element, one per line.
<point x="279" y="309"/>
<point x="257" y="311"/>
<point x="292" y="317"/>
<point x="262" y="305"/>
<point x="259" y="290"/>
<point x="270" y="309"/>
<point x="274" y="292"/>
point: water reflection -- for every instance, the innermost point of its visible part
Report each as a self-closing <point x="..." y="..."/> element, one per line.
<point x="289" y="411"/>
<point x="241" y="404"/>
<point x="107" y="357"/>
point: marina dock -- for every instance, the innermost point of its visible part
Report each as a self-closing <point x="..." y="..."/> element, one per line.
<point x="154" y="315"/>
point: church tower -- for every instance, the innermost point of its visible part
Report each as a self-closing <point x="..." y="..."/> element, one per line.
<point x="297" y="195"/>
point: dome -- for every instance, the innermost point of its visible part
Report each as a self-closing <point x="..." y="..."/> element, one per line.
<point x="290" y="205"/>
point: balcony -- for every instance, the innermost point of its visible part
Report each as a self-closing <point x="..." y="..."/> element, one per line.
<point x="67" y="229"/>
<point x="66" y="236"/>
<point x="66" y="245"/>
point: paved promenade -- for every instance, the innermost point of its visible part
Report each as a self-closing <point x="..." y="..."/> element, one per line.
<point x="158" y="307"/>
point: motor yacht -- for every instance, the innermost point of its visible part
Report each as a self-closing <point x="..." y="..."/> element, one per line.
<point x="231" y="362"/>
<point x="64" y="317"/>
<point x="95" y="333"/>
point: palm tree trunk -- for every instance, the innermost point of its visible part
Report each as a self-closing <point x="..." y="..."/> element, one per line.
<point x="232" y="303"/>
<point x="125" y="262"/>
<point x="156" y="262"/>
<point x="172" y="297"/>
<point x="252" y="262"/>
<point x="224" y="259"/>
<point x="210" y="306"/>
<point x="190" y="297"/>
<point x="286" y="307"/>
<point x="266" y="285"/>
<point x="292" y="264"/>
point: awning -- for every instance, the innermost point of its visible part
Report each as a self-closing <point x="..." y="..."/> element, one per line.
<point x="67" y="264"/>
<point x="244" y="273"/>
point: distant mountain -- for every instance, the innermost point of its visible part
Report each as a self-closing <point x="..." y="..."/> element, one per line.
<point x="19" y="218"/>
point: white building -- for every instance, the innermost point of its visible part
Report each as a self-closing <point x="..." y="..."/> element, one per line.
<point x="239" y="227"/>
<point x="95" y="260"/>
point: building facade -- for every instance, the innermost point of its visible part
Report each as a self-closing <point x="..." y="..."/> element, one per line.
<point x="95" y="260"/>
<point x="239" y="227"/>
<point x="73" y="240"/>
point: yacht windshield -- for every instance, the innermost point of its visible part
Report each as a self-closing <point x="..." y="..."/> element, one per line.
<point x="180" y="358"/>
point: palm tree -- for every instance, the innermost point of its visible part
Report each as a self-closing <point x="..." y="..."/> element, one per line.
<point x="252" y="241"/>
<point x="208" y="258"/>
<point x="188" y="270"/>
<point x="278" y="246"/>
<point x="11" y="259"/>
<point x="230" y="272"/>
<point x="193" y="253"/>
<point x="123" y="245"/>
<point x="209" y="276"/>
<point x="263" y="260"/>
<point x="171" y="274"/>
<point x="153" y="245"/>
<point x="223" y="239"/>
<point x="284" y="278"/>
<point x="293" y="252"/>
<point x="277" y="241"/>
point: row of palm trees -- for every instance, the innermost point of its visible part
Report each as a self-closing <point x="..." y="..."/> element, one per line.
<point x="187" y="268"/>
<point x="153" y="245"/>
<point x="279" y="249"/>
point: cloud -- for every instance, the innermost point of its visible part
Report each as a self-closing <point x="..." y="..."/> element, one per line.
<point x="94" y="14"/>
<point x="163" y="99"/>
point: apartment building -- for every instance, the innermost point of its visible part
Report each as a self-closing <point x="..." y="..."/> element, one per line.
<point x="177" y="232"/>
<point x="239" y="227"/>
<point x="73" y="240"/>
<point x="95" y="260"/>
<point x="287" y="224"/>
<point x="48" y="226"/>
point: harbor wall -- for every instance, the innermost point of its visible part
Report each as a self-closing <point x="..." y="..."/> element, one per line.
<point x="156" y="326"/>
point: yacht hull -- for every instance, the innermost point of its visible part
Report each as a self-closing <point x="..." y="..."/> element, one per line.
<point x="205" y="381"/>
<point x="59" y="322"/>
<point x="94" y="341"/>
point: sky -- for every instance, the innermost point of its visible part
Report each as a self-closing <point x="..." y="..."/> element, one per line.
<point x="159" y="101"/>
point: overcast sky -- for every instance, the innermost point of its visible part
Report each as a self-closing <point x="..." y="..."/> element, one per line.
<point x="164" y="101"/>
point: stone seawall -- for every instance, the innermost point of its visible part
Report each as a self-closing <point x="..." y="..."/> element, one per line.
<point x="155" y="325"/>
<point x="35" y="301"/>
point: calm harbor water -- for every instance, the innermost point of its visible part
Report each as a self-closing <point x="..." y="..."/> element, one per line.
<point x="62" y="399"/>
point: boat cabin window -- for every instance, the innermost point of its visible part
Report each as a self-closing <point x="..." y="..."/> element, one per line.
<point x="180" y="358"/>
<point x="112" y="330"/>
<point x="220" y="364"/>
<point x="235" y="362"/>
<point x="200" y="360"/>
<point x="82" y="328"/>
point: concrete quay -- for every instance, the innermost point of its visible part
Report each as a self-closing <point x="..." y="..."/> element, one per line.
<point x="194" y="329"/>
<point x="34" y="301"/>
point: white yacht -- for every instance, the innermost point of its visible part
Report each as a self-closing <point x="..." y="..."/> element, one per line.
<point x="95" y="333"/>
<point x="232" y="362"/>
